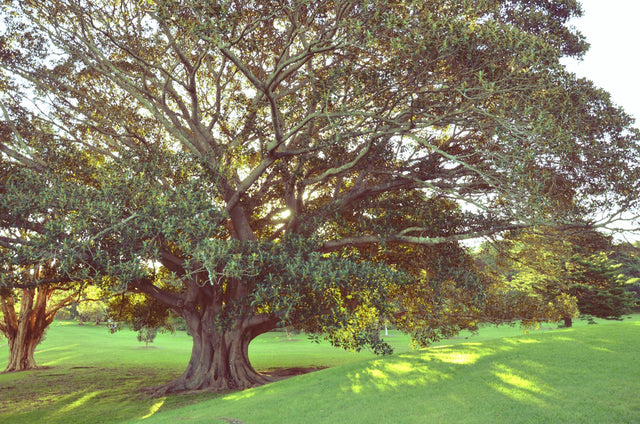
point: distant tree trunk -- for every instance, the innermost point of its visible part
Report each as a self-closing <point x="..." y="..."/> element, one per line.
<point x="568" y="322"/>
<point x="25" y="331"/>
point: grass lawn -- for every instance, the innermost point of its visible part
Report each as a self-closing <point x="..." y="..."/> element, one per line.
<point x="589" y="374"/>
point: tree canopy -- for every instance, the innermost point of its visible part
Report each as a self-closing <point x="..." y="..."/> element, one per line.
<point x="557" y="266"/>
<point x="268" y="153"/>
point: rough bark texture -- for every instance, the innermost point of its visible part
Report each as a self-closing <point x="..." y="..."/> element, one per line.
<point x="21" y="352"/>
<point x="24" y="329"/>
<point x="221" y="323"/>
<point x="219" y="357"/>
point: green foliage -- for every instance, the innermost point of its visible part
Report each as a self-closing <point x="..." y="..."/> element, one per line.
<point x="311" y="291"/>
<point x="142" y="313"/>
<point x="561" y="268"/>
<point x="147" y="335"/>
<point x="251" y="164"/>
<point x="627" y="256"/>
<point x="595" y="281"/>
<point x="446" y="295"/>
<point x="94" y="311"/>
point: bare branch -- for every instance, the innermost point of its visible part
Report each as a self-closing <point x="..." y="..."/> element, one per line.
<point x="402" y="237"/>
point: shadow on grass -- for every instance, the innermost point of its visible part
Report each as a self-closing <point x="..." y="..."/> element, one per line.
<point x="548" y="378"/>
<point x="77" y="394"/>
<point x="564" y="376"/>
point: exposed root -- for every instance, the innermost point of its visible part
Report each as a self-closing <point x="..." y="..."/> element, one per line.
<point x="278" y="374"/>
<point x="181" y="386"/>
<point x="13" y="369"/>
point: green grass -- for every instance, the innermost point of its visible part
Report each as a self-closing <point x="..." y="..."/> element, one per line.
<point x="589" y="374"/>
<point x="90" y="375"/>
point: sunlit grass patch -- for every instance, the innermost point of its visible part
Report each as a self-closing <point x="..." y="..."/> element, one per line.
<point x="562" y="376"/>
<point x="521" y="386"/>
<point x="584" y="375"/>
<point x="155" y="407"/>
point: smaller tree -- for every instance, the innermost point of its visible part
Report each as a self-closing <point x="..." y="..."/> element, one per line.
<point x="599" y="287"/>
<point x="93" y="311"/>
<point x="447" y="291"/>
<point x="627" y="255"/>
<point x="27" y="309"/>
<point x="143" y="313"/>
<point x="561" y="266"/>
<point x="25" y="314"/>
<point x="147" y="335"/>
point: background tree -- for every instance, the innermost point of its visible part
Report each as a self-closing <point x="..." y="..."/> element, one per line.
<point x="26" y="313"/>
<point x="147" y="335"/>
<point x="34" y="285"/>
<point x="627" y="255"/>
<point x="92" y="311"/>
<point x="448" y="292"/>
<point x="555" y="264"/>
<point x="244" y="145"/>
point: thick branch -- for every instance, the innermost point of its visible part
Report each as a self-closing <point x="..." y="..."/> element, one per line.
<point x="172" y="300"/>
<point x="402" y="237"/>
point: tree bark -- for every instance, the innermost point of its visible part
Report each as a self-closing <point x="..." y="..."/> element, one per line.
<point x="25" y="331"/>
<point x="219" y="357"/>
<point x="21" y="352"/>
<point x="568" y="322"/>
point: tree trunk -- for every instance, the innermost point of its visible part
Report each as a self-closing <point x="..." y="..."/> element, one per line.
<point x="568" y="322"/>
<point x="21" y="350"/>
<point x="220" y="354"/>
<point x="219" y="357"/>
<point x="25" y="331"/>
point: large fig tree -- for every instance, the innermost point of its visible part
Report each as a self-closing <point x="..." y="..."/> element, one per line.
<point x="256" y="149"/>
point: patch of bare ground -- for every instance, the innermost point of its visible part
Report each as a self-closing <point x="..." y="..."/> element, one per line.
<point x="282" y="373"/>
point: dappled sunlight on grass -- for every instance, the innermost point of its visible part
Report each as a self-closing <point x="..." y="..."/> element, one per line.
<point x="392" y="373"/>
<point x="585" y="375"/>
<point x="520" y="387"/>
<point x="356" y="386"/>
<point x="466" y="353"/>
<point x="58" y="361"/>
<point x="80" y="402"/>
<point x="497" y="366"/>
<point x="419" y="368"/>
<point x="53" y="349"/>
<point x="155" y="407"/>
<point x="521" y="341"/>
<point x="62" y="355"/>
<point x="565" y="338"/>
<point x="244" y="394"/>
<point x="459" y="355"/>
<point x="400" y="367"/>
